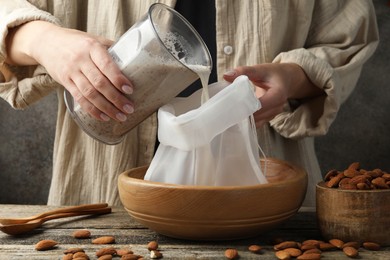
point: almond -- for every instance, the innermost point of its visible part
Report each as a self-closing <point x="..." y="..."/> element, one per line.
<point x="121" y="252"/>
<point x="282" y="255"/>
<point x="350" y="173"/>
<point x="306" y="247"/>
<point x="311" y="256"/>
<point x="362" y="186"/>
<point x="286" y="244"/>
<point x="105" y="257"/>
<point x="337" y="242"/>
<point x="104" y="240"/>
<point x="67" y="257"/>
<point x="386" y="176"/>
<point x="294" y="252"/>
<point x="334" y="182"/>
<point x="255" y="249"/>
<point x="73" y="250"/>
<point x="81" y="234"/>
<point x="380" y="183"/>
<point x="347" y="186"/>
<point x="231" y="253"/>
<point x="152" y="245"/>
<point x="358" y="179"/>
<point x="374" y="174"/>
<point x="326" y="246"/>
<point x="314" y="250"/>
<point x="350" y="251"/>
<point x="330" y="174"/>
<point x="371" y="246"/>
<point x="106" y="251"/>
<point x="46" y="244"/>
<point x="354" y="166"/>
<point x="80" y="255"/>
<point x="311" y="242"/>
<point x="353" y="244"/>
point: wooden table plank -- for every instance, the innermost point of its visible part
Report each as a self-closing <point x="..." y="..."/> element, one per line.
<point x="130" y="234"/>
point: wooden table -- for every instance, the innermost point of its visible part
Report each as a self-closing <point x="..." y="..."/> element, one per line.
<point x="130" y="234"/>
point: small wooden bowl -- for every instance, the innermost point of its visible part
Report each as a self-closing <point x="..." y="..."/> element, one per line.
<point x="354" y="215"/>
<point x="214" y="213"/>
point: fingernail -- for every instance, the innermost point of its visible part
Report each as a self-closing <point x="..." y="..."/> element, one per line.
<point x="104" y="117"/>
<point x="127" y="89"/>
<point x="121" y="117"/>
<point x="129" y="109"/>
<point x="230" y="73"/>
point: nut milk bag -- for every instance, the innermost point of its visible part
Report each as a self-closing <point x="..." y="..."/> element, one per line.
<point x="212" y="143"/>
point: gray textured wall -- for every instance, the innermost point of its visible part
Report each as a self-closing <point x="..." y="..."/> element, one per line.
<point x="360" y="132"/>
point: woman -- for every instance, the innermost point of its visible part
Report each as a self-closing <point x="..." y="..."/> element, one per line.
<point x="304" y="56"/>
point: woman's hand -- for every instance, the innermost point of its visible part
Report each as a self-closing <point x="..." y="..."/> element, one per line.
<point x="275" y="83"/>
<point x="78" y="61"/>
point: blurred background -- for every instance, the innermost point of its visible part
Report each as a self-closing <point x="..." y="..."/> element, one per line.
<point x="361" y="132"/>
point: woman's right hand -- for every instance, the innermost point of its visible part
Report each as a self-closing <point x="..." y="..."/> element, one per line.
<point x="78" y="61"/>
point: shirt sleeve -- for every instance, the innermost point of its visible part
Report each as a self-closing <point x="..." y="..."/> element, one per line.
<point x="342" y="37"/>
<point x="22" y="86"/>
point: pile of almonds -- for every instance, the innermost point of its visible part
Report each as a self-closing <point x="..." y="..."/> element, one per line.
<point x="309" y="249"/>
<point x="105" y="253"/>
<point x="355" y="178"/>
<point x="312" y="249"/>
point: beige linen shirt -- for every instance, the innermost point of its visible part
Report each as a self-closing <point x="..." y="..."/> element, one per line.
<point x="330" y="40"/>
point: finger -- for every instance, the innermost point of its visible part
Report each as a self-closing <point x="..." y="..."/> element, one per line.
<point x="104" y="87"/>
<point x="254" y="73"/>
<point x="110" y="69"/>
<point x="88" y="93"/>
<point x="85" y="105"/>
<point x="267" y="115"/>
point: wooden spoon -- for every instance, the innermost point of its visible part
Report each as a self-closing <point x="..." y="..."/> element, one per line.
<point x="9" y="221"/>
<point x="16" y="229"/>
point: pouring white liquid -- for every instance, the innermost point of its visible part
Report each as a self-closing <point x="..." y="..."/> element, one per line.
<point x="203" y="73"/>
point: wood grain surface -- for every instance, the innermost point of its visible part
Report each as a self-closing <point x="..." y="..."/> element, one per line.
<point x="129" y="234"/>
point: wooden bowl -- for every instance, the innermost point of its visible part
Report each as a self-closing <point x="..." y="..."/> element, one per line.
<point x="214" y="213"/>
<point x="354" y="215"/>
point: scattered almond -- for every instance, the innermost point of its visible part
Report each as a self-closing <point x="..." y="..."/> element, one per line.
<point x="311" y="256"/>
<point x="326" y="246"/>
<point x="121" y="252"/>
<point x="152" y="245"/>
<point x="282" y="255"/>
<point x="106" y="251"/>
<point x="355" y="245"/>
<point x="305" y="247"/>
<point x="350" y="251"/>
<point x="314" y="250"/>
<point x="67" y="257"/>
<point x="80" y="255"/>
<point x="255" y="249"/>
<point x="337" y="242"/>
<point x="286" y="244"/>
<point x="371" y="246"/>
<point x="105" y="257"/>
<point x="73" y="250"/>
<point x="81" y="234"/>
<point x="46" y="244"/>
<point x="294" y="252"/>
<point x="104" y="240"/>
<point x="130" y="257"/>
<point x="231" y="253"/>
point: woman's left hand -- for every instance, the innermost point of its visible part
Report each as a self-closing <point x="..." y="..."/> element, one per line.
<point x="275" y="83"/>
